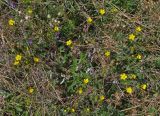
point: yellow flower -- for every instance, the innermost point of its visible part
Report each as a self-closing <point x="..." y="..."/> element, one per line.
<point x="11" y="22"/>
<point x="85" y="81"/>
<point x="133" y="76"/>
<point x="18" y="57"/>
<point x="139" y="57"/>
<point x="69" y="42"/>
<point x="102" y="97"/>
<point x="132" y="49"/>
<point x="29" y="11"/>
<point x="80" y="91"/>
<point x="65" y="110"/>
<point x="114" y="10"/>
<point x="16" y="62"/>
<point x="30" y="90"/>
<point x="138" y="29"/>
<point x="72" y="110"/>
<point x="144" y="86"/>
<point x="28" y="101"/>
<point x="107" y="53"/>
<point x="88" y="110"/>
<point x="102" y="11"/>
<point x="123" y="76"/>
<point x="89" y="20"/>
<point x="36" y="59"/>
<point x="129" y="90"/>
<point x="132" y="37"/>
<point x="56" y="29"/>
<point x="27" y="48"/>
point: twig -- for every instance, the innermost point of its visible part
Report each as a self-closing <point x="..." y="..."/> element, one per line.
<point x="130" y="108"/>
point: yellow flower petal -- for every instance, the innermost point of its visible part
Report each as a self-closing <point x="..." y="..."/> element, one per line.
<point x="133" y="76"/>
<point x="144" y="86"/>
<point x="69" y="42"/>
<point x="114" y="10"/>
<point x="29" y="11"/>
<point x="139" y="57"/>
<point x="129" y="90"/>
<point x="18" y="57"/>
<point x="102" y="11"/>
<point x="11" y="22"/>
<point x="132" y="37"/>
<point x="16" y="63"/>
<point x="138" y="29"/>
<point x="107" y="53"/>
<point x="102" y="97"/>
<point x="73" y="110"/>
<point x="123" y="76"/>
<point x="56" y="29"/>
<point x="80" y="91"/>
<point x="85" y="81"/>
<point x="89" y="20"/>
<point x="88" y="110"/>
<point x="30" y="90"/>
<point x="36" y="59"/>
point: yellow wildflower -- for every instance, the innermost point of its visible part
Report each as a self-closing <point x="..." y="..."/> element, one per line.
<point x="29" y="11"/>
<point x="123" y="76"/>
<point x="144" y="86"/>
<point x="27" y="48"/>
<point x="102" y="11"/>
<point x="133" y="76"/>
<point x="56" y="29"/>
<point x="132" y="49"/>
<point x="114" y="10"/>
<point x="89" y="20"/>
<point x="80" y="91"/>
<point x="85" y="81"/>
<point x="138" y="29"/>
<point x="72" y="110"/>
<point x="30" y="90"/>
<point x="129" y="90"/>
<point x="65" y="110"/>
<point x="102" y="97"/>
<point x="18" y="57"/>
<point x="88" y="110"/>
<point x="16" y="62"/>
<point x="132" y="37"/>
<point x="11" y="22"/>
<point x="107" y="53"/>
<point x="139" y="57"/>
<point x="36" y="59"/>
<point x="69" y="42"/>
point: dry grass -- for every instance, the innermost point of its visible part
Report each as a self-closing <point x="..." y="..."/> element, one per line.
<point x="59" y="74"/>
